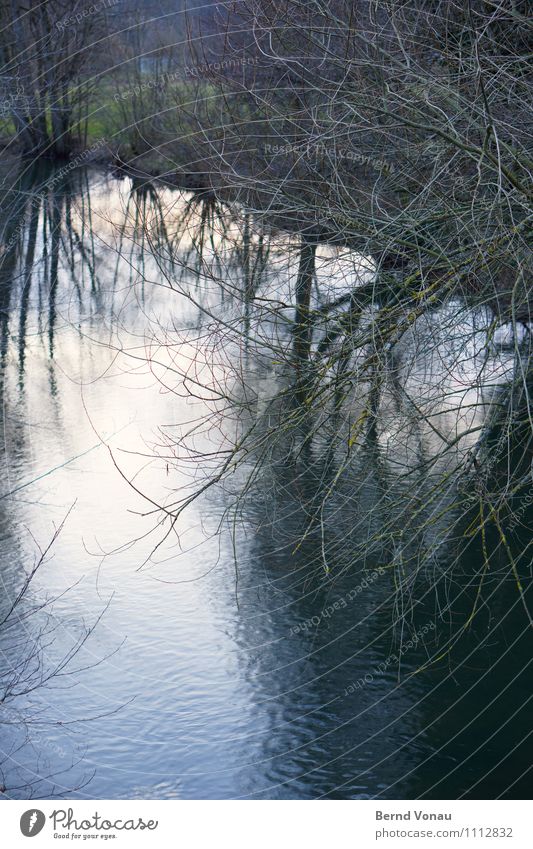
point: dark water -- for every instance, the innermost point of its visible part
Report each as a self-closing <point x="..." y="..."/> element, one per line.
<point x="231" y="664"/>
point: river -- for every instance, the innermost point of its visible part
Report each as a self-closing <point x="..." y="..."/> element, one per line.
<point x="227" y="662"/>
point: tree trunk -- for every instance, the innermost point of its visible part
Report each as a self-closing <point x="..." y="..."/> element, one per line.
<point x="302" y="319"/>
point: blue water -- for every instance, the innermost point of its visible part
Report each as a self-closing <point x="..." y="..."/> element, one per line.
<point x="227" y="663"/>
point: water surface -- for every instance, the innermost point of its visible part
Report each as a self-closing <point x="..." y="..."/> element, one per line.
<point x="225" y="664"/>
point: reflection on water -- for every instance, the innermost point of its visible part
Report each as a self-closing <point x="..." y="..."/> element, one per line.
<point x="264" y="661"/>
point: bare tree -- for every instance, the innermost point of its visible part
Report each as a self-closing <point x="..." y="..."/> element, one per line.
<point x="395" y="131"/>
<point x="49" y="54"/>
